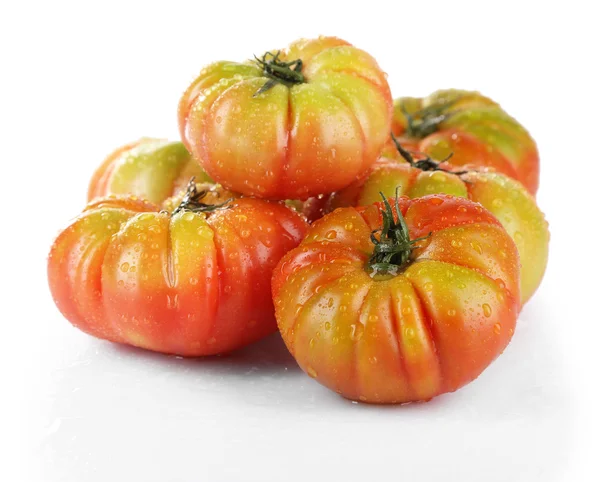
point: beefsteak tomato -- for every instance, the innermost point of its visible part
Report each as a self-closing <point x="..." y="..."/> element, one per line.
<point x="153" y="169"/>
<point x="194" y="281"/>
<point x="391" y="305"/>
<point x="501" y="195"/>
<point x="290" y="124"/>
<point x="472" y="127"/>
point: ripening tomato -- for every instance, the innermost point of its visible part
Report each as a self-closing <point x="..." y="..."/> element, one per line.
<point x="291" y="124"/>
<point x="391" y="305"/>
<point x="472" y="128"/>
<point x="194" y="281"/>
<point x="150" y="168"/>
<point x="501" y="195"/>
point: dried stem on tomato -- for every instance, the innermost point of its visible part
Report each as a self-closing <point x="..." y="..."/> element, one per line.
<point x="192" y="201"/>
<point x="426" y="121"/>
<point x="426" y="164"/>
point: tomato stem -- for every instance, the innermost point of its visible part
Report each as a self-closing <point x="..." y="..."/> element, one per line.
<point x="426" y="164"/>
<point x="192" y="201"/>
<point x="277" y="71"/>
<point x="426" y="121"/>
<point x="393" y="248"/>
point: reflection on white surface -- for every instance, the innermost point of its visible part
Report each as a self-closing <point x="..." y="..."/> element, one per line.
<point x="114" y="411"/>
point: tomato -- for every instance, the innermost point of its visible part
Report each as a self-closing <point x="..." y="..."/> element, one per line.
<point x="150" y="168"/>
<point x="470" y="126"/>
<point x="291" y="124"/>
<point x="193" y="281"/>
<point x="385" y="307"/>
<point x="504" y="197"/>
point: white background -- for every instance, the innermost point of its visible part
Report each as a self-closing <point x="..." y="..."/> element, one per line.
<point x="79" y="79"/>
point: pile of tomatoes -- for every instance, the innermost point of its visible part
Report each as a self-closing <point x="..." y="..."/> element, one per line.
<point x="392" y="243"/>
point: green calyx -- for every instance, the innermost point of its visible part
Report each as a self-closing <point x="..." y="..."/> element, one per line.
<point x="393" y="248"/>
<point x="277" y="71"/>
<point x="192" y="201"/>
<point x="426" y="121"/>
<point x="427" y="163"/>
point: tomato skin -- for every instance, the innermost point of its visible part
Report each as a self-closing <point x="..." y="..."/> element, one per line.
<point x="289" y="142"/>
<point x="189" y="283"/>
<point x="428" y="330"/>
<point x="153" y="169"/>
<point x="476" y="131"/>
<point x="504" y="197"/>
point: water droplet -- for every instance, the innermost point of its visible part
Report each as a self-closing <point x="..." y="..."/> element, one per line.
<point x="436" y="201"/>
<point x="487" y="310"/>
<point x="373" y="317"/>
<point x="188" y="216"/>
<point x="362" y="398"/>
<point x="373" y="360"/>
<point x="428" y="286"/>
<point x="311" y="372"/>
<point x="193" y="281"/>
<point x="349" y="226"/>
<point x="455" y="243"/>
<point x="311" y="343"/>
<point x="343" y="308"/>
<point x="497" y="328"/>
<point x="497" y="202"/>
<point x="298" y="309"/>
<point x="451" y="312"/>
<point x="331" y="234"/>
<point x="330" y="302"/>
<point x="245" y="233"/>
<point x="121" y="282"/>
<point x="125" y="267"/>
<point x="407" y="310"/>
<point x="476" y="247"/>
<point x="356" y="331"/>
